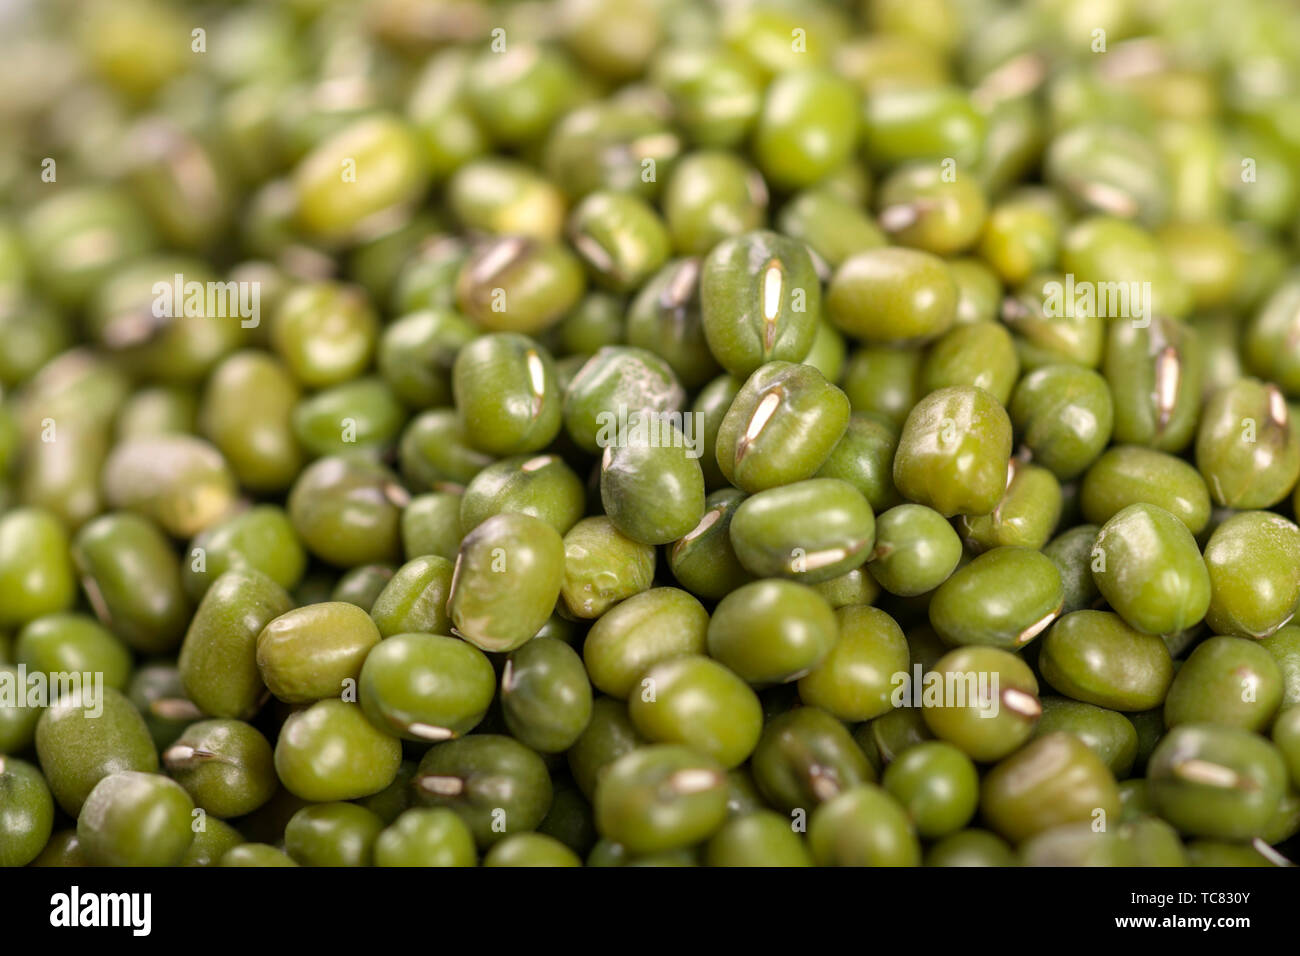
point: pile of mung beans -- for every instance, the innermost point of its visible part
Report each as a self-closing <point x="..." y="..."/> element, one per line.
<point x="649" y="433"/>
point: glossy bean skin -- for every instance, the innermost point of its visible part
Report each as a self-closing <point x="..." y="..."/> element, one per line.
<point x="509" y="554"/>
<point x="362" y="585"/>
<point x="981" y="354"/>
<point x="697" y="702"/>
<point x="885" y="382"/>
<point x="922" y="208"/>
<point x="434" y="455"/>
<point x="953" y="452"/>
<point x="1154" y="373"/>
<point x="970" y="607"/>
<point x="1216" y="782"/>
<point x="327" y="207"/>
<point x="332" y="834"/>
<point x="621" y="239"/>
<point x="210" y="845"/>
<point x="538" y="281"/>
<point x="1144" y="842"/>
<point x="310" y="653"/>
<point x="426" y="836"/>
<point x="1071" y="552"/>
<point x="832" y="229"/>
<point x="864" y="457"/>
<point x="603" y="566"/>
<point x="762" y="838"/>
<point x="661" y="797"/>
<point x="1056" y="779"/>
<point x="1066" y="416"/>
<point x="1266" y="338"/>
<point x="324" y="332"/>
<point x="1246" y="446"/>
<point x="330" y="751"/>
<point x="1045" y="336"/>
<point x="1109" y="733"/>
<point x="246" y="412"/>
<point x="916" y="550"/>
<point x="927" y="123"/>
<point x="772" y="631"/>
<point x="531" y="849"/>
<point x="425" y="687"/>
<point x="1252" y="592"/>
<point x="135" y="819"/>
<point x="666" y="318"/>
<point x="807" y="757"/>
<point x="1227" y="681"/>
<point x="806" y="128"/>
<point x="430" y="525"/>
<point x="365" y="413"/>
<point x="647" y="628"/>
<point x="938" y="786"/>
<point x="1094" y="657"/>
<point x="218" y="659"/>
<point x="1022" y="235"/>
<point x="262" y="538"/>
<point x="956" y="704"/>
<point x="855" y="681"/>
<point x="1108" y="248"/>
<point x="346" y="510"/>
<point x="226" y="766"/>
<point x="17" y="720"/>
<point x="1284" y="645"/>
<point x="781" y="427"/>
<point x="545" y="695"/>
<point x="583" y="152"/>
<point x="662" y="435"/>
<point x="500" y="196"/>
<point x="892" y="296"/>
<point x="495" y="784"/>
<point x="255" y="854"/>
<point x="653" y="488"/>
<point x="1129" y="474"/>
<point x="133" y="580"/>
<point x="415" y="598"/>
<point x="971" y="847"/>
<point x="863" y="826"/>
<point x="891" y="734"/>
<point x="809" y="531"/>
<point x="1026" y="516"/>
<point x="718" y="92"/>
<point x="618" y="381"/>
<point x="73" y="643"/>
<point x="760" y="299"/>
<point x="608" y="736"/>
<point x="506" y="394"/>
<point x="416" y="352"/>
<point x="61" y="476"/>
<point x="1130" y="548"/>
